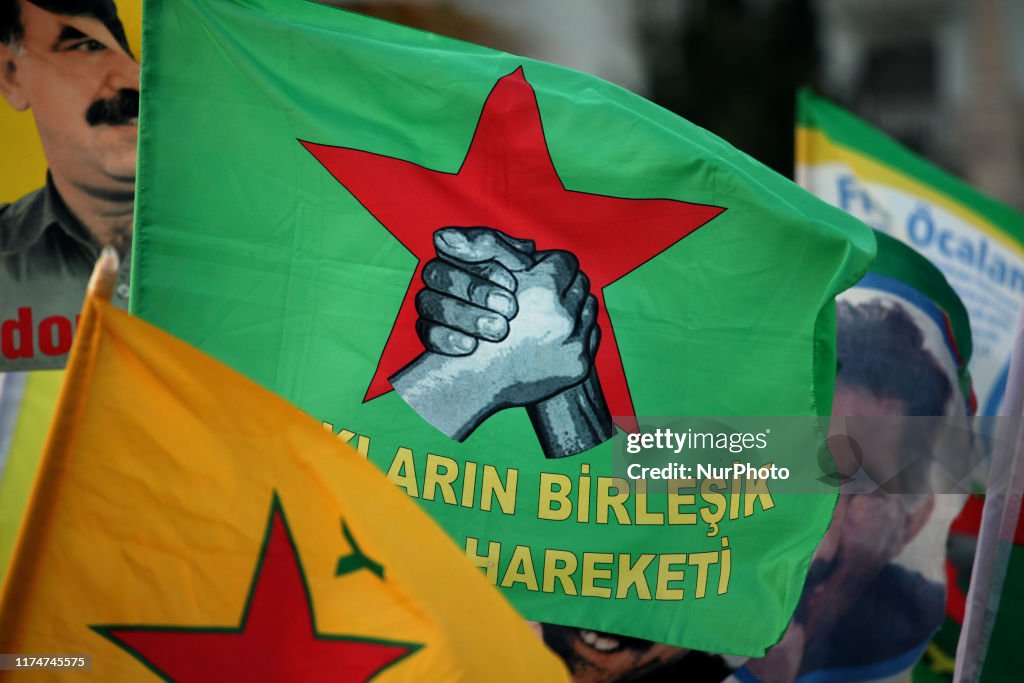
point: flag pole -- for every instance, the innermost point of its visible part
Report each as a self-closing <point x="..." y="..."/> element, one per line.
<point x="998" y="523"/>
<point x="104" y="275"/>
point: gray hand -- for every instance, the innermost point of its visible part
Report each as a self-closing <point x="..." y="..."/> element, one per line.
<point x="481" y="281"/>
<point x="470" y="288"/>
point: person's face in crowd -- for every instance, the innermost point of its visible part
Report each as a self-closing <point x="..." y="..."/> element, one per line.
<point x="82" y="88"/>
<point x="595" y="657"/>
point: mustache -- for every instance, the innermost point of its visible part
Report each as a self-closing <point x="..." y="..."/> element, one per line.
<point x="114" y="111"/>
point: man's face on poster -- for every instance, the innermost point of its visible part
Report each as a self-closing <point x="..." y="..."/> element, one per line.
<point x="868" y="530"/>
<point x="82" y="88"/>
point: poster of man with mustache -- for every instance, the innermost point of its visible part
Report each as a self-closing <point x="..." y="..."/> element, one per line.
<point x="69" y="64"/>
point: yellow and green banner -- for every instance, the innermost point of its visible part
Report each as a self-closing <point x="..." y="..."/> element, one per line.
<point x="977" y="242"/>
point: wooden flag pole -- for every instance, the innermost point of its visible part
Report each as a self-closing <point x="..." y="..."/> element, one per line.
<point x="104" y="275"/>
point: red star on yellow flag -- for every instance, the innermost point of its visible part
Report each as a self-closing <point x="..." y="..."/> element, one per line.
<point x="276" y="640"/>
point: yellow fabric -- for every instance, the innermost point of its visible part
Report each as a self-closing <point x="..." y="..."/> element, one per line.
<point x="152" y="502"/>
<point x="34" y="414"/>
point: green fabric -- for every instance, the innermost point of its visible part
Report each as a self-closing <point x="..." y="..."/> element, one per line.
<point x="246" y="247"/>
<point x="1005" y="660"/>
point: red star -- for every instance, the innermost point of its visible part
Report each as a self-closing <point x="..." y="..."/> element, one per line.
<point x="276" y="640"/>
<point x="508" y="182"/>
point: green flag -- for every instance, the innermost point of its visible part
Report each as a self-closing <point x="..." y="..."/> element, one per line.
<point x="483" y="271"/>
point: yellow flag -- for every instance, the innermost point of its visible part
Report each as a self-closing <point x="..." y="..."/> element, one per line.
<point x="190" y="525"/>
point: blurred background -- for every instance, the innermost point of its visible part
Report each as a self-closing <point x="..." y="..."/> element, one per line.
<point x="945" y="77"/>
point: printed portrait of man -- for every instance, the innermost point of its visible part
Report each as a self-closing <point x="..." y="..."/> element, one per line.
<point x="68" y="64"/>
<point x="875" y="592"/>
